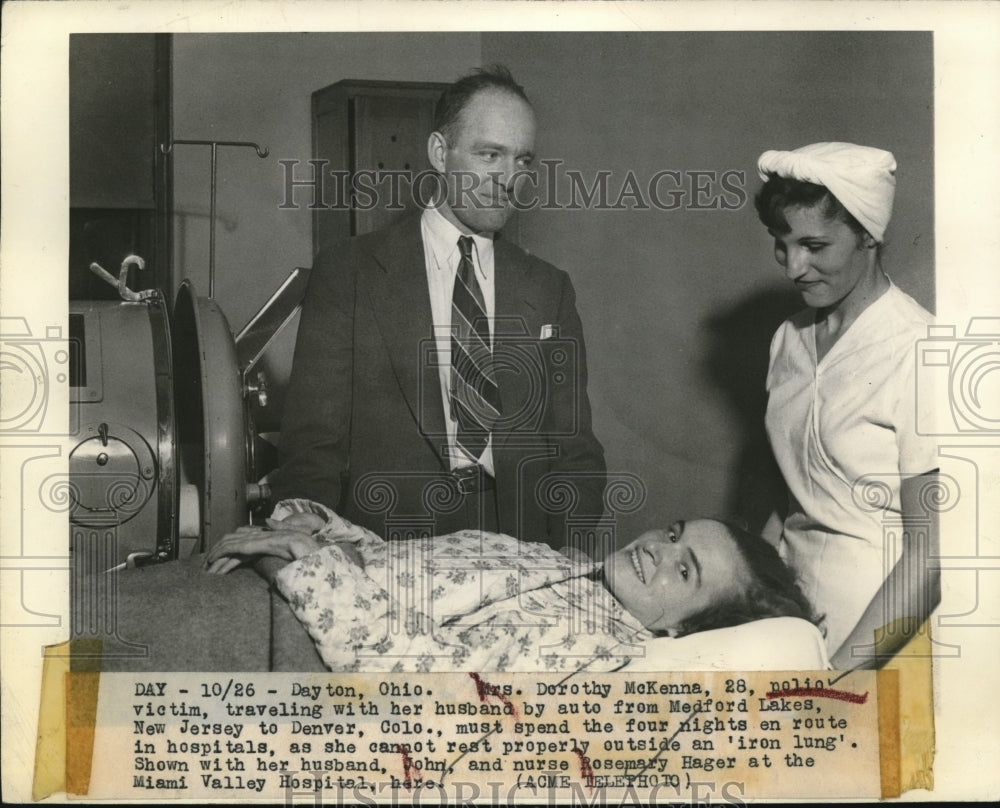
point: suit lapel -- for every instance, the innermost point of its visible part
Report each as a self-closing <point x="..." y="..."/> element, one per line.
<point x="514" y="342"/>
<point x="401" y="304"/>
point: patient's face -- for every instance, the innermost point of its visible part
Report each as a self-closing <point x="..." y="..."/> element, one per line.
<point x="666" y="576"/>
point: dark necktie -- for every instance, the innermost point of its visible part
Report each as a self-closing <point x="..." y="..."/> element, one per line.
<point x="475" y="402"/>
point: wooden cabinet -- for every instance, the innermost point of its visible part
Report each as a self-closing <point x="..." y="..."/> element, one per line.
<point x="119" y="104"/>
<point x="363" y="132"/>
<point x="370" y="143"/>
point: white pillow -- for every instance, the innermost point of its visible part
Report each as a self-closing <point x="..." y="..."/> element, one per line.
<point x="774" y="644"/>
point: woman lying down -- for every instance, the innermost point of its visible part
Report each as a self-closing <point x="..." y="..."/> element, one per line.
<point x="487" y="601"/>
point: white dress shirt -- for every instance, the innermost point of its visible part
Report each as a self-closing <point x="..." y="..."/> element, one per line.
<point x="442" y="257"/>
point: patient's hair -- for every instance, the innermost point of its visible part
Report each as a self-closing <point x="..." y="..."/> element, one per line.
<point x="773" y="591"/>
<point x="448" y="112"/>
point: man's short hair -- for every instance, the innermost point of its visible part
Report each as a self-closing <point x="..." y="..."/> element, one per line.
<point x="448" y="112"/>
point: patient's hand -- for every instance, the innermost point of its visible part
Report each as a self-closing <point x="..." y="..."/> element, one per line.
<point x="310" y="522"/>
<point x="289" y="539"/>
<point x="254" y="540"/>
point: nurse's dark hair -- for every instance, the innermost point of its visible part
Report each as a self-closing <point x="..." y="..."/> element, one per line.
<point x="772" y="591"/>
<point x="780" y="193"/>
<point x="448" y="112"/>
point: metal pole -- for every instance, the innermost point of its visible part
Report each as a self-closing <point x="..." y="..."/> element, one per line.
<point x="262" y="152"/>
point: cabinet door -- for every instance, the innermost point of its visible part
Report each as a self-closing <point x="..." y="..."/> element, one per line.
<point x="119" y="113"/>
<point x="112" y="107"/>
<point x="361" y="128"/>
<point x="390" y="143"/>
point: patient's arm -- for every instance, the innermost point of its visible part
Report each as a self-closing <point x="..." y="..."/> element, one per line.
<point x="287" y="539"/>
<point x="256" y="540"/>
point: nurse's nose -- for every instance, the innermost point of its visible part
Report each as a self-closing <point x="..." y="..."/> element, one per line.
<point x="796" y="263"/>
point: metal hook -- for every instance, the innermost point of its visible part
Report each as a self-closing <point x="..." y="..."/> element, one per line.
<point x="121" y="282"/>
<point x="262" y="151"/>
<point x="123" y="290"/>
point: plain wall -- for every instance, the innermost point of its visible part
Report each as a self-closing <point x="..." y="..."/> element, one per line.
<point x="678" y="305"/>
<point x="258" y="88"/>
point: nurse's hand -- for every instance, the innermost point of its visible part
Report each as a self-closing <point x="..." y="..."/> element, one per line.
<point x="256" y="540"/>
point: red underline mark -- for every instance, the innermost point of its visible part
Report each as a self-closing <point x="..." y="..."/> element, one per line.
<point x="822" y="692"/>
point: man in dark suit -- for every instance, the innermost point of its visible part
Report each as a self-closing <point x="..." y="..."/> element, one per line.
<point x="439" y="379"/>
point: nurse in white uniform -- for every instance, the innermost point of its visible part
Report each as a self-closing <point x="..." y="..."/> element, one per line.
<point x="841" y="404"/>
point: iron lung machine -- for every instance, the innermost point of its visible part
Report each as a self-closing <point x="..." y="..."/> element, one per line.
<point x="166" y="458"/>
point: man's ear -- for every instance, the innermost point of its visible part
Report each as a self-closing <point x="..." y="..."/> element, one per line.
<point x="436" y="148"/>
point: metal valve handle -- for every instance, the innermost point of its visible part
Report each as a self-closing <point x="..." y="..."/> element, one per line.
<point x="120" y="283"/>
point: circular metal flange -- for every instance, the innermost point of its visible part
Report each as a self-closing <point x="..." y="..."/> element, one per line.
<point x="209" y="396"/>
